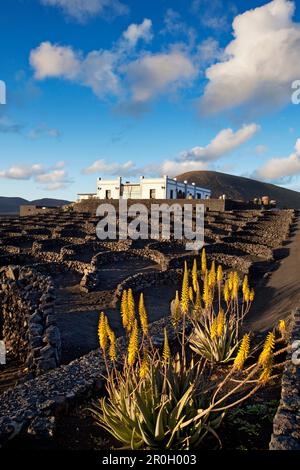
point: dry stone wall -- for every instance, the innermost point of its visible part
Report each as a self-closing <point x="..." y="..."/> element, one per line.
<point x="28" y="319"/>
<point x="286" y="425"/>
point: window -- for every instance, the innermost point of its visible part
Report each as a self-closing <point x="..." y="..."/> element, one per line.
<point x="198" y="195"/>
<point x="108" y="194"/>
<point x="171" y="194"/>
<point x="152" y="193"/>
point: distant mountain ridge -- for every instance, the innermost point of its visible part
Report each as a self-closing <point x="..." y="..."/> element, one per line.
<point x="241" y="188"/>
<point x="11" y="205"/>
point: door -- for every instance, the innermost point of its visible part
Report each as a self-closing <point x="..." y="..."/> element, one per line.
<point x="152" y="193"/>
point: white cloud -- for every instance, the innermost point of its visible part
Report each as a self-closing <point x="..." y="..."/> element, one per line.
<point x="99" y="72"/>
<point x="224" y="142"/>
<point x="103" y="70"/>
<point x="21" y="172"/>
<point x="154" y="73"/>
<point x="106" y="168"/>
<point x="54" y="177"/>
<point x="50" y="60"/>
<point x="277" y="169"/>
<point x="173" y="167"/>
<point x="81" y="10"/>
<point x="260" y="62"/>
<point x="96" y="70"/>
<point x="135" y="32"/>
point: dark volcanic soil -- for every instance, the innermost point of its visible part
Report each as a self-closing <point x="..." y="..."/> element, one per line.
<point x="78" y="312"/>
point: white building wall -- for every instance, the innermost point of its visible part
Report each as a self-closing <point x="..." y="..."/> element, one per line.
<point x="108" y="187"/>
<point x="148" y="185"/>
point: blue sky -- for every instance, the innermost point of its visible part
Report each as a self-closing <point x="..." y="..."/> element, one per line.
<point x="111" y="87"/>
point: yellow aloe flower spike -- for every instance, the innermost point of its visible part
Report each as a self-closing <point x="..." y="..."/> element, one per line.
<point x="176" y="313"/>
<point x="166" y="351"/>
<point x="243" y="352"/>
<point x="214" y="328"/>
<point x="212" y="275"/>
<point x="226" y="292"/>
<point x="198" y="298"/>
<point x="130" y="309"/>
<point x="144" y="367"/>
<point x="247" y="295"/>
<point x="195" y="275"/>
<point x="251" y="296"/>
<point x="268" y="348"/>
<point x="245" y="284"/>
<point x="207" y="293"/>
<point x="143" y="315"/>
<point x="265" y="374"/>
<point x="219" y="274"/>
<point x="185" y="290"/>
<point x="133" y="344"/>
<point x="282" y="327"/>
<point x="235" y="286"/>
<point x="112" y="346"/>
<point x="220" y="323"/>
<point x="102" y="332"/>
<point x="124" y="310"/>
<point x="191" y="294"/>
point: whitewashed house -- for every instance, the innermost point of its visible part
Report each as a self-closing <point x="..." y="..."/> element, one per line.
<point x="150" y="188"/>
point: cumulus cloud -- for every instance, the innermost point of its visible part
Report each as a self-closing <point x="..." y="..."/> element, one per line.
<point x="51" y="178"/>
<point x="107" y="168"/>
<point x="260" y="63"/>
<point x="224" y="142"/>
<point x="106" y="71"/>
<point x="50" y="60"/>
<point x="82" y="10"/>
<point x="21" y="172"/>
<point x="277" y="169"/>
<point x="154" y="73"/>
<point x="135" y="32"/>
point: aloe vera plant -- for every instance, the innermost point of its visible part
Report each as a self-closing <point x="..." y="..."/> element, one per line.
<point x="152" y="413"/>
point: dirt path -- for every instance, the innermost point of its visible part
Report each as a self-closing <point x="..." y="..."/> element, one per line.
<point x="78" y="313"/>
<point x="281" y="293"/>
